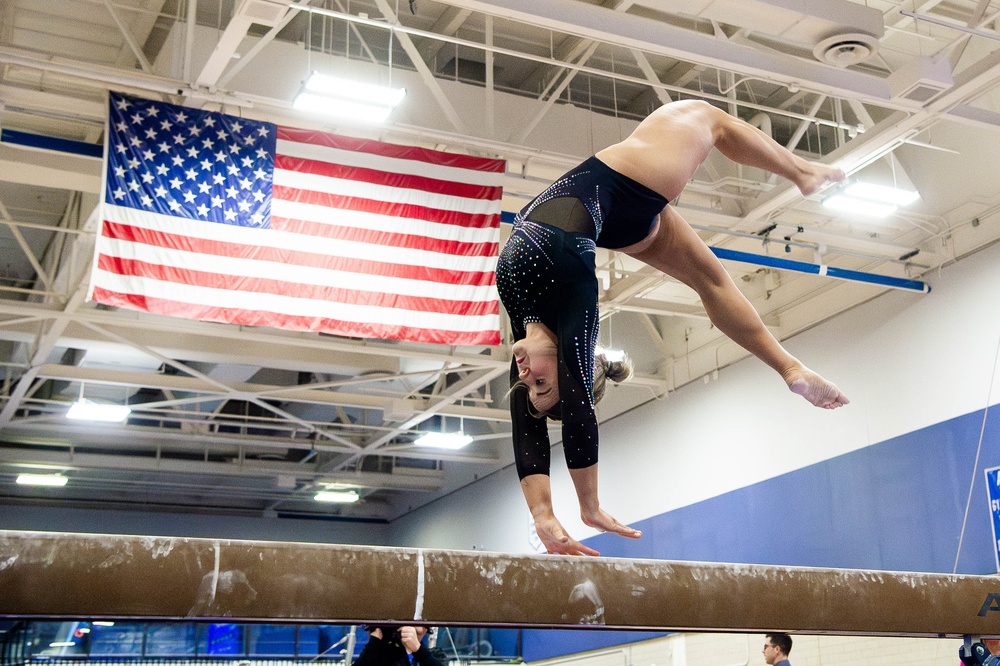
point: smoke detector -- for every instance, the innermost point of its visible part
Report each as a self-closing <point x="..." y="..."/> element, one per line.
<point x="846" y="49"/>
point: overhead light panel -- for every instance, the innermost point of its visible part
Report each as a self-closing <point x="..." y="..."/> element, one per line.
<point x="85" y="410"/>
<point x="881" y="193"/>
<point x="337" y="496"/>
<point x="343" y="98"/>
<point x="444" y="440"/>
<point x="55" y="480"/>
<point x="848" y="204"/>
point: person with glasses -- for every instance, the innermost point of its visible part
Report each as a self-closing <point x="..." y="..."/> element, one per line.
<point x="777" y="646"/>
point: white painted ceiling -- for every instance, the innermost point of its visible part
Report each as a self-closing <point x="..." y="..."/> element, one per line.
<point x="244" y="421"/>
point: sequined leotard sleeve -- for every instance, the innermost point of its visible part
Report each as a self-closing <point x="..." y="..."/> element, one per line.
<point x="547" y="275"/>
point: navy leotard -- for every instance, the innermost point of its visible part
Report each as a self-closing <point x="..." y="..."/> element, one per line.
<point x="546" y="274"/>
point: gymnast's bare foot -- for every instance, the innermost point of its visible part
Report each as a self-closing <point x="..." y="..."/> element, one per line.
<point x="604" y="522"/>
<point x="557" y="541"/>
<point x="817" y="175"/>
<point x="815" y="389"/>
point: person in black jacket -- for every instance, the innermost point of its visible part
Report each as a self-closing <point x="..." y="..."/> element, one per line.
<point x="392" y="645"/>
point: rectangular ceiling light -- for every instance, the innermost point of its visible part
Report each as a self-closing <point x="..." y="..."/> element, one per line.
<point x="42" y="480"/>
<point x="338" y="496"/>
<point x="343" y="98"/>
<point x="881" y="193"/>
<point x="859" y="206"/>
<point x="444" y="440"/>
<point x="85" y="410"/>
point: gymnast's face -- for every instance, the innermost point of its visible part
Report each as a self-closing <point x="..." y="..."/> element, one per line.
<point x="537" y="367"/>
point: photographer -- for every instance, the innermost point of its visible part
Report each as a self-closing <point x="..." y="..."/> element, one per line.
<point x="391" y="645"/>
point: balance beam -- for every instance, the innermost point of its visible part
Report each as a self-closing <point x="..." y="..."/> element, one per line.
<point x="87" y="576"/>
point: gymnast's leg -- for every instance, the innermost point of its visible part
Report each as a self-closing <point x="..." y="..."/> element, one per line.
<point x="665" y="150"/>
<point x="678" y="251"/>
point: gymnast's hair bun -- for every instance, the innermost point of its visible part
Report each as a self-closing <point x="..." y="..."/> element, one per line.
<point x="617" y="371"/>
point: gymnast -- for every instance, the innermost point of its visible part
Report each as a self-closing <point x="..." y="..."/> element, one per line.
<point x="546" y="278"/>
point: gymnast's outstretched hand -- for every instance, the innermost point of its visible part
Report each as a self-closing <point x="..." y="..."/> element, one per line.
<point x="556" y="540"/>
<point x="605" y="522"/>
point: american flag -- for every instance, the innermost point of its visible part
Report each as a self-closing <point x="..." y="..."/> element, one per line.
<point x="212" y="217"/>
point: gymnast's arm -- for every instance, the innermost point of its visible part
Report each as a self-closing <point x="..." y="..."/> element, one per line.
<point x="531" y="458"/>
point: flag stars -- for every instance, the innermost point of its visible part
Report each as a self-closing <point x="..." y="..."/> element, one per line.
<point x="263" y="131"/>
<point x="146" y="200"/>
<point x="232" y="192"/>
<point x="123" y="104"/>
<point x="134" y="140"/>
<point x="160" y="191"/>
<point x="218" y="179"/>
<point x="150" y="133"/>
<point x="204" y="188"/>
<point x="147" y="177"/>
<point x="153" y="112"/>
<point x="148" y="155"/>
<point x="136" y="119"/>
<point x="260" y="173"/>
<point x="133" y="186"/>
<point x="234" y="148"/>
<point x="245" y="183"/>
<point x="222" y="135"/>
<point x="258" y="196"/>
<point x="230" y="214"/>
<point x="243" y="206"/>
<point x="120" y="171"/>
<point x="176" y="183"/>
<point x="189" y="197"/>
<point x="261" y="154"/>
<point x="178" y="139"/>
<point x="192" y="152"/>
<point x="209" y="121"/>
<point x="164" y="147"/>
<point x="220" y="156"/>
<point x="202" y="210"/>
<point x="206" y="165"/>
<point x="133" y="164"/>
<point x="233" y="170"/>
<point x="177" y="160"/>
<point x="191" y="174"/>
<point x="174" y="205"/>
<point x="165" y="125"/>
<point x="119" y="193"/>
<point x="247" y="162"/>
<point x="207" y="144"/>
<point x="162" y="170"/>
<point x="217" y="202"/>
<point x="122" y="126"/>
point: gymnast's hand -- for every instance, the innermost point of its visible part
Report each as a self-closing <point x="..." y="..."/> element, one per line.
<point x="603" y="521"/>
<point x="556" y="540"/>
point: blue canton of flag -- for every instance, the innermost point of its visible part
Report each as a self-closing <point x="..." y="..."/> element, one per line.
<point x="190" y="163"/>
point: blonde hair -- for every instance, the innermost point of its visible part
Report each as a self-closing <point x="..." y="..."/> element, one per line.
<point x="604" y="369"/>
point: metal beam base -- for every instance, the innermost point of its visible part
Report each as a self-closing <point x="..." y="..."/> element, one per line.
<point x="86" y="576"/>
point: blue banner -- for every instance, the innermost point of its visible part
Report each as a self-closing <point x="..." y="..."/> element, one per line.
<point x="993" y="488"/>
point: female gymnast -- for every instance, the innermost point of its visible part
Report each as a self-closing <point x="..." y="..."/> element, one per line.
<point x="546" y="278"/>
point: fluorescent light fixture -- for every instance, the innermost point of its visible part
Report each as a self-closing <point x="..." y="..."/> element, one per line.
<point x="612" y="355"/>
<point x="101" y="623"/>
<point x="338" y="496"/>
<point x="444" y="440"/>
<point x="344" y="98"/>
<point x="62" y="644"/>
<point x="859" y="206"/>
<point x="341" y="108"/>
<point x="85" y="410"/>
<point x="334" y="86"/>
<point x="881" y="193"/>
<point x="42" y="479"/>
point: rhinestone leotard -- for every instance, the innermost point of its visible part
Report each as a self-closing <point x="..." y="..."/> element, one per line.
<point x="546" y="274"/>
